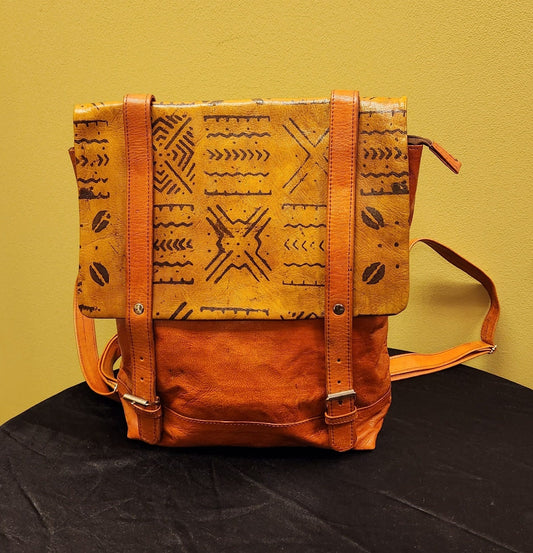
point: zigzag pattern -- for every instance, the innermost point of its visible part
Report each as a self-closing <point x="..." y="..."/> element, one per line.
<point x="100" y="160"/>
<point x="390" y="174"/>
<point x="238" y="135"/>
<point x="172" y="224"/>
<point x="168" y="264"/>
<point x="380" y="153"/>
<point x="173" y="244"/>
<point x="300" y="315"/>
<point x="236" y="174"/>
<point x="304" y="265"/>
<point x="85" y="181"/>
<point x="297" y="245"/>
<point x="301" y="225"/>
<point x="238" y="154"/>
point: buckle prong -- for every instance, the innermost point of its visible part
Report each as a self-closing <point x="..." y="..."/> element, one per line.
<point x="135" y="400"/>
<point x="337" y="395"/>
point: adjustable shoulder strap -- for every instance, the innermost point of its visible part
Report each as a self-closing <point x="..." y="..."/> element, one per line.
<point x="416" y="364"/>
<point x="98" y="371"/>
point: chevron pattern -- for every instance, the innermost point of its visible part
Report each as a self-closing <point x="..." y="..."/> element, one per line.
<point x="173" y="141"/>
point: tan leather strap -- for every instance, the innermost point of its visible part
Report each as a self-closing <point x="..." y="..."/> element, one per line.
<point x="139" y="245"/>
<point x="98" y="372"/>
<point x="343" y="134"/>
<point x="444" y="156"/>
<point x="415" y="364"/>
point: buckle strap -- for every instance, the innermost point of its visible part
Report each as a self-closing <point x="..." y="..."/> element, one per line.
<point x="343" y="135"/>
<point x="138" y="317"/>
<point x="451" y="162"/>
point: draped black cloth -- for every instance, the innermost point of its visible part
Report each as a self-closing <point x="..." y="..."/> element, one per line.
<point x="452" y="472"/>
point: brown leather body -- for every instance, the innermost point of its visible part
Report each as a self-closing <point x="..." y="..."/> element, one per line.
<point x="258" y="383"/>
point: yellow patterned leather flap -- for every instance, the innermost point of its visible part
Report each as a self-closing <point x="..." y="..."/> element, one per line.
<point x="240" y="209"/>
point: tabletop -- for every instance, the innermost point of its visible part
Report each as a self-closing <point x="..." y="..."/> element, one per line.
<point x="452" y="472"/>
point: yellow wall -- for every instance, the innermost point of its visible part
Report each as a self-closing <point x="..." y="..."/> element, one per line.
<point x="465" y="66"/>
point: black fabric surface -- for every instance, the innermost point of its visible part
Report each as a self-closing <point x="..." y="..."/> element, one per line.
<point x="452" y="472"/>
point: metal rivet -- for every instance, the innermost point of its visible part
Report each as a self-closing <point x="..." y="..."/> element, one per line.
<point x="138" y="308"/>
<point x="338" y="309"/>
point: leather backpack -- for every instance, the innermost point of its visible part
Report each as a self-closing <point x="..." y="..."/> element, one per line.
<point x="251" y="253"/>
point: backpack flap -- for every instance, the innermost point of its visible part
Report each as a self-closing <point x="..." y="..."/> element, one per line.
<point x="239" y="217"/>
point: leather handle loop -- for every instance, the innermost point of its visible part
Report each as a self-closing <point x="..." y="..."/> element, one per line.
<point x="416" y="364"/>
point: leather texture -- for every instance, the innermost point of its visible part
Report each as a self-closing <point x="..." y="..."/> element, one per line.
<point x="239" y="222"/>
<point x="259" y="383"/>
<point x="139" y="226"/>
<point x="340" y="238"/>
<point x="415" y="156"/>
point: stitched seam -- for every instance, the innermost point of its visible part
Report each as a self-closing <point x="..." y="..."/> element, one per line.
<point x="148" y="300"/>
<point x="349" y="277"/>
<point x="349" y="282"/>
<point x="128" y="266"/>
<point x="328" y="295"/>
<point x="385" y="396"/>
<point x="140" y="390"/>
<point x="241" y="423"/>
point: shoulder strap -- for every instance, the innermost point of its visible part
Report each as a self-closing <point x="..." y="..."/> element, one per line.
<point x="97" y="370"/>
<point x="416" y="364"/>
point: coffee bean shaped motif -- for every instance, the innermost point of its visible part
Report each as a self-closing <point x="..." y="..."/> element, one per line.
<point x="374" y="273"/>
<point x="373" y="218"/>
<point x="101" y="220"/>
<point x="99" y="274"/>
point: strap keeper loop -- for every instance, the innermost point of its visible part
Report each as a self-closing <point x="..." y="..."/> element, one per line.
<point x="335" y="420"/>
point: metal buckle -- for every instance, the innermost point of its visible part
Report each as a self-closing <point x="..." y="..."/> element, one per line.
<point x="493" y="349"/>
<point x="338" y="395"/>
<point x="135" y="400"/>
